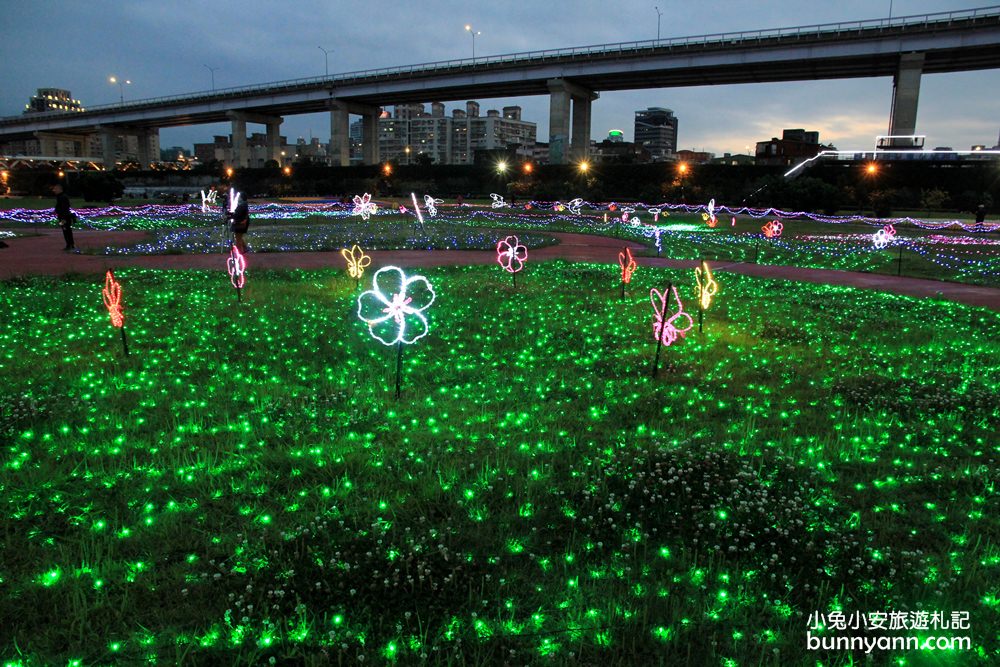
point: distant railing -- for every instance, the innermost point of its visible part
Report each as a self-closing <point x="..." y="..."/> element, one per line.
<point x="728" y="39"/>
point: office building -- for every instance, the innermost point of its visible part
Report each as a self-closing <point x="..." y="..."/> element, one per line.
<point x="656" y="132"/>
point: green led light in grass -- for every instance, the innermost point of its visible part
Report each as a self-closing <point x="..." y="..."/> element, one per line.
<point x="533" y="491"/>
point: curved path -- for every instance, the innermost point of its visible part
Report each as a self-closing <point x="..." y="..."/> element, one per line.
<point x="41" y="255"/>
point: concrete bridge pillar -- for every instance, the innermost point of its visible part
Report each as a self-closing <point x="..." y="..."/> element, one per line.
<point x="108" y="151"/>
<point x="581" y="128"/>
<point x="905" y="91"/>
<point x="340" y="134"/>
<point x="562" y="94"/>
<point x="369" y="137"/>
<point x="241" y="158"/>
<point x="47" y="144"/>
<point x="148" y="142"/>
<point x="274" y="140"/>
<point x="559" y="105"/>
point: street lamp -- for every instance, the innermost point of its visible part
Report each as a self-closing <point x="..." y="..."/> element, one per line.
<point x="121" y="86"/>
<point x="658" y="15"/>
<point x="584" y="167"/>
<point x="211" y="71"/>
<point x="407" y="151"/>
<point x="472" y="32"/>
<point x="326" y="58"/>
<point x="502" y="167"/>
<point x="528" y="168"/>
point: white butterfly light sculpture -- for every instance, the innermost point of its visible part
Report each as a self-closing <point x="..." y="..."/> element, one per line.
<point x="364" y="206"/>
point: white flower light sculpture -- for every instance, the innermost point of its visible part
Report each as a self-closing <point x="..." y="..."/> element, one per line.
<point x="393" y="308"/>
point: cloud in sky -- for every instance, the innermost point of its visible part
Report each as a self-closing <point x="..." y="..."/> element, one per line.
<point x="163" y="47"/>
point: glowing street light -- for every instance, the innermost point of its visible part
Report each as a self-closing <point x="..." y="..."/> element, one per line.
<point x="682" y="168"/>
<point x="387" y="169"/>
<point x="584" y="167"/>
<point x="229" y="172"/>
<point x="287" y="171"/>
<point x="528" y="167"/>
<point x="468" y="28"/>
<point x="502" y="167"/>
<point x="121" y="86"/>
<point x="871" y="169"/>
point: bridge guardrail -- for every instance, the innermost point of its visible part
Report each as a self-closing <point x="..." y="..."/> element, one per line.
<point x="721" y="39"/>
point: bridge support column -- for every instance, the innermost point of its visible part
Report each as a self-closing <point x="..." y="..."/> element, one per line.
<point x="274" y="140"/>
<point x="53" y="144"/>
<point x="559" y="101"/>
<point x="563" y="93"/>
<point x="148" y="147"/>
<point x="108" y="149"/>
<point x="369" y="137"/>
<point x="581" y="128"/>
<point x="905" y="91"/>
<point x="340" y="135"/>
<point x="240" y="156"/>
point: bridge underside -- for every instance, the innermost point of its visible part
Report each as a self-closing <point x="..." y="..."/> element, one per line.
<point x="903" y="52"/>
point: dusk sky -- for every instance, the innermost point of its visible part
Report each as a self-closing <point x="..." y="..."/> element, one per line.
<point x="164" y="47"/>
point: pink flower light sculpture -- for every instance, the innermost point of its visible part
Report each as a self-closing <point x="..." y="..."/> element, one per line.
<point x="511" y="255"/>
<point x="236" y="265"/>
<point x="666" y="329"/>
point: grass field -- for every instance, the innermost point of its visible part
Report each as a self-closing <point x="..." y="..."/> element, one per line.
<point x="245" y="487"/>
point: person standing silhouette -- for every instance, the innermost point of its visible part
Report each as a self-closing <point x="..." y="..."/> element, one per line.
<point x="65" y="216"/>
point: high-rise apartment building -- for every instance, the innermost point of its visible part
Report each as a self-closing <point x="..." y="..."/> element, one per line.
<point x="52" y="99"/>
<point x="410" y="131"/>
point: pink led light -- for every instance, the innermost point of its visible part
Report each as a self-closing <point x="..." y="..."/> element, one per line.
<point x="236" y="265"/>
<point x="628" y="265"/>
<point x="667" y="330"/>
<point x="772" y="229"/>
<point x="510" y="253"/>
<point x="112" y="294"/>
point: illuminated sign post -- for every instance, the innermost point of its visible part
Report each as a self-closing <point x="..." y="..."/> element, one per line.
<point x="112" y="294"/>
<point x="393" y="310"/>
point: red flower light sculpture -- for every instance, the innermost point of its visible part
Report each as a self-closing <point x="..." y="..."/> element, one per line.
<point x="772" y="229"/>
<point x="628" y="265"/>
<point x="112" y="294"/>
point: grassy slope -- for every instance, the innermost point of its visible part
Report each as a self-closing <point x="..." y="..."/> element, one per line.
<point x="244" y="485"/>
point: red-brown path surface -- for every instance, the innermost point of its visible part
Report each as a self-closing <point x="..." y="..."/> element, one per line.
<point x="42" y="255"/>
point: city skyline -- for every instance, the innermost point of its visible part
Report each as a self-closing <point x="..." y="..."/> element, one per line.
<point x="848" y="113"/>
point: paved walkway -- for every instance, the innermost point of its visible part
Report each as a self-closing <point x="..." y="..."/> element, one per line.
<point x="41" y="255"/>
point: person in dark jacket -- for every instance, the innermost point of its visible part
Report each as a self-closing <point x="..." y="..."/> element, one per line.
<point x="239" y="217"/>
<point x="65" y="216"/>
